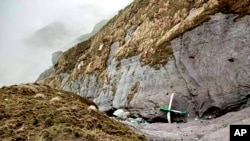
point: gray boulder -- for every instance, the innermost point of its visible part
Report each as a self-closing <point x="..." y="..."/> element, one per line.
<point x="121" y="114"/>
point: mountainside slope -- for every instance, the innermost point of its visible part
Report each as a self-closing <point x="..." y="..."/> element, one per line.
<point x="198" y="49"/>
<point x="38" y="112"/>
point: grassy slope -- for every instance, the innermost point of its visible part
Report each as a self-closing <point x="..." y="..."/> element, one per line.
<point x="37" y="112"/>
<point x="158" y="22"/>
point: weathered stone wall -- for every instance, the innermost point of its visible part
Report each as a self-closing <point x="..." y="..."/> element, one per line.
<point x="214" y="60"/>
<point x="203" y="57"/>
<point x="209" y="72"/>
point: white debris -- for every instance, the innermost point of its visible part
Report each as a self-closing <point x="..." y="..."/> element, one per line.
<point x="101" y="46"/>
<point x="80" y="65"/>
<point x="121" y="113"/>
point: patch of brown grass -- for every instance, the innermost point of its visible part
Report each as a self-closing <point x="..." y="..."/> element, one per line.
<point x="67" y="62"/>
<point x="24" y="116"/>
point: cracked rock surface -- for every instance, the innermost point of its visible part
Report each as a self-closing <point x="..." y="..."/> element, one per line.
<point x="205" y="62"/>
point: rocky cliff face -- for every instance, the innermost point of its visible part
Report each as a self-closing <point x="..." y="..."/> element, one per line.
<point x="197" y="49"/>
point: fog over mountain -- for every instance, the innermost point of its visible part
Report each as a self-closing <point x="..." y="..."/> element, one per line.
<point x="25" y="28"/>
<point x="54" y="35"/>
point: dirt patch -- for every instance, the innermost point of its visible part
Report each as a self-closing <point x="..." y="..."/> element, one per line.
<point x="195" y="129"/>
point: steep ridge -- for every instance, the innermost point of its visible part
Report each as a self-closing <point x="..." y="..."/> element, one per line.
<point x="197" y="49"/>
<point x="38" y="112"/>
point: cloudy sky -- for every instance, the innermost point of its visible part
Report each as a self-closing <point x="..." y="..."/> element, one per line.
<point x="20" y="19"/>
